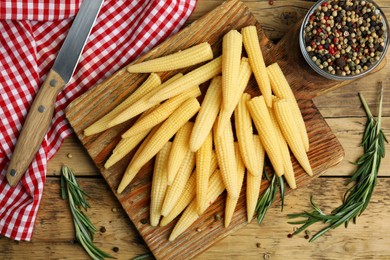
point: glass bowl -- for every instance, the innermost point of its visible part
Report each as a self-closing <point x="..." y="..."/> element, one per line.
<point x="329" y="55"/>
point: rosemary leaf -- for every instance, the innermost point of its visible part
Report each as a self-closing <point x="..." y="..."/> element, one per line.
<point x="84" y="228"/>
<point x="357" y="197"/>
<point x="64" y="194"/>
<point x="269" y="195"/>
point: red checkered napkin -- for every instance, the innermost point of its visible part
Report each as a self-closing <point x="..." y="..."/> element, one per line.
<point x="31" y="34"/>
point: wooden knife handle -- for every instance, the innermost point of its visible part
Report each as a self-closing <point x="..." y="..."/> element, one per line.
<point x="35" y="127"/>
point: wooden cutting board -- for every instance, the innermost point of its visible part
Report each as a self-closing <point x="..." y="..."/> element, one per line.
<point x="325" y="150"/>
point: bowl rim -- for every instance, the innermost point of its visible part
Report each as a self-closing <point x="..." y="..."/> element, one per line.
<point x="326" y="74"/>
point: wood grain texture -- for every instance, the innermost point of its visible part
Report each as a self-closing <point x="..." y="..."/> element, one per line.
<point x="54" y="235"/>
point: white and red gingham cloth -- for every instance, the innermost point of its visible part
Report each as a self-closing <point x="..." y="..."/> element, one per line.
<point x="31" y="34"/>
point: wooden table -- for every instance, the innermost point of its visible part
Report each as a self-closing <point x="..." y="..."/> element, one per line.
<point x="369" y="239"/>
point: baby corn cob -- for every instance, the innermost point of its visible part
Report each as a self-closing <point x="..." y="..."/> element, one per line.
<point x="175" y="190"/>
<point x="244" y="133"/>
<point x="232" y="202"/>
<point x="290" y="130"/>
<point x="185" y="199"/>
<point x="161" y="136"/>
<point x="102" y="124"/>
<point x="181" y="59"/>
<point x="203" y="163"/>
<point x="253" y="183"/>
<point x="124" y="143"/>
<point x="231" y="55"/>
<point x="190" y="215"/>
<point x="285" y="152"/>
<point x="256" y="60"/>
<point x="224" y="147"/>
<point x="282" y="89"/>
<point x="260" y="115"/>
<point x="159" y="184"/>
<point x="179" y="149"/>
<point x="125" y="146"/>
<point x="207" y="114"/>
<point x="243" y="78"/>
<point x="161" y="112"/>
<point x="188" y="194"/>
<point x="141" y="104"/>
<point x="194" y="77"/>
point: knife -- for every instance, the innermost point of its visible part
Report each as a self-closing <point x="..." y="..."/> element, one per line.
<point x="41" y="112"/>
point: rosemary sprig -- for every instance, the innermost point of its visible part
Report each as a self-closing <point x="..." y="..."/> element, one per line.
<point x="269" y="195"/>
<point x="85" y="230"/>
<point x="357" y="197"/>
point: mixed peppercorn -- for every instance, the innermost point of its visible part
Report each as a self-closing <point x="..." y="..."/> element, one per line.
<point x="345" y="37"/>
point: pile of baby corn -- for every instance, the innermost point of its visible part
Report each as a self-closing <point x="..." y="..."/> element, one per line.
<point x="196" y="161"/>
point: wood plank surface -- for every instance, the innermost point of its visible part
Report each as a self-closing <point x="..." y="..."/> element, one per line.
<point x="368" y="239"/>
<point x="53" y="236"/>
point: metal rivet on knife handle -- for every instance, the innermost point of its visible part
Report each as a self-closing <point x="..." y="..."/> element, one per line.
<point x="12" y="172"/>
<point x="53" y="82"/>
<point x="41" y="109"/>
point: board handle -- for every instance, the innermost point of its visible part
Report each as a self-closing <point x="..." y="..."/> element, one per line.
<point x="35" y="127"/>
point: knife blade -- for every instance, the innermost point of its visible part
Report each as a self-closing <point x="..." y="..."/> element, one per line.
<point x="41" y="111"/>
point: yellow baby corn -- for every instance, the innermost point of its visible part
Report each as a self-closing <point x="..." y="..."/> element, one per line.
<point x="224" y="147"/>
<point x="203" y="164"/>
<point x="126" y="143"/>
<point x="187" y="110"/>
<point x="125" y="146"/>
<point x="287" y="123"/>
<point x="253" y="183"/>
<point x="231" y="55"/>
<point x="194" y="77"/>
<point x="282" y="89"/>
<point x="181" y="59"/>
<point x="102" y="124"/>
<point x="207" y="114"/>
<point x="232" y="202"/>
<point x="185" y="199"/>
<point x="141" y="104"/>
<point x="243" y="78"/>
<point x="190" y="215"/>
<point x="260" y="115"/>
<point x="244" y="133"/>
<point x="175" y="190"/>
<point x="179" y="149"/>
<point x="188" y="194"/>
<point x="285" y="152"/>
<point x="256" y="60"/>
<point x="159" y="184"/>
<point x="161" y="112"/>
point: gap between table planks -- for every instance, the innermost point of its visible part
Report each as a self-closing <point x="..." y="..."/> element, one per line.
<point x="326" y="150"/>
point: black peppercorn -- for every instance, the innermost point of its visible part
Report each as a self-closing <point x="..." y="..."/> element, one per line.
<point x="326" y="46"/>
<point x="340" y="62"/>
